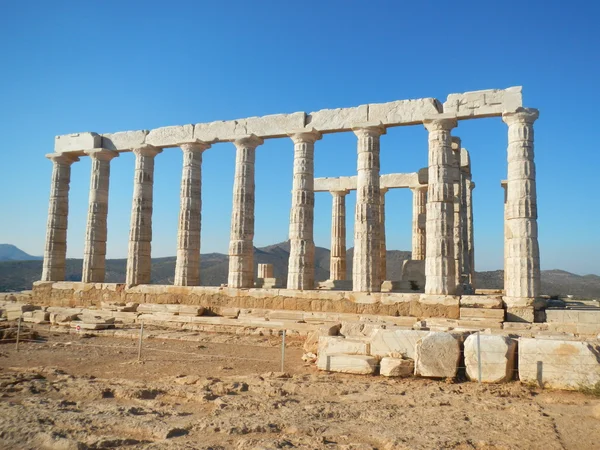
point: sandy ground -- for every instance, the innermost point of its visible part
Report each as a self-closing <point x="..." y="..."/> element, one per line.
<point x="225" y="392"/>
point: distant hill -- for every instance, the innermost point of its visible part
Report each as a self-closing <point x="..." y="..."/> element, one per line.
<point x="20" y="275"/>
<point x="9" y="252"/>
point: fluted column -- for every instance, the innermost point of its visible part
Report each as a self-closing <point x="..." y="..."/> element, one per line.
<point x="418" y="222"/>
<point x="337" y="263"/>
<point x="94" y="253"/>
<point x="241" y="248"/>
<point x="301" y="265"/>
<point x="366" y="263"/>
<point x="522" y="265"/>
<point x="504" y="186"/>
<point x="382" y="247"/>
<point x="471" y="240"/>
<point x="439" y="261"/>
<point x="187" y="266"/>
<point x="55" y="250"/>
<point x="465" y="179"/>
<point x="457" y="228"/>
<point x="140" y="234"/>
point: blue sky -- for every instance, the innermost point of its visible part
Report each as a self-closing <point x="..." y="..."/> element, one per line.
<point x="108" y="66"/>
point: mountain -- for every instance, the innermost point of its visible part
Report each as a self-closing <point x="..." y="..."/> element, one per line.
<point x="9" y="252"/>
<point x="19" y="275"/>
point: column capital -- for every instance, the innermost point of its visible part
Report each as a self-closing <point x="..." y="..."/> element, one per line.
<point x="383" y="190"/>
<point x="369" y="130"/>
<point x="62" y="158"/>
<point x="147" y="150"/>
<point x="251" y="141"/>
<point x="521" y="115"/>
<point x="198" y="146"/>
<point x="101" y="154"/>
<point x="442" y="122"/>
<point x="340" y="193"/>
<point x="305" y="136"/>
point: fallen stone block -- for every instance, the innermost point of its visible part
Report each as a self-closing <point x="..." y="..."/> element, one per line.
<point x="285" y="315"/>
<point x="36" y="316"/>
<point x="311" y="345"/>
<point x="91" y="326"/>
<point x="93" y="319"/>
<point x="358" y="329"/>
<point x="61" y="318"/>
<point x="497" y="358"/>
<point x="559" y="363"/>
<point x="396" y="367"/>
<point x="329" y="345"/>
<point x="229" y="312"/>
<point x="398" y="342"/>
<point x="356" y="364"/>
<point x="437" y="355"/>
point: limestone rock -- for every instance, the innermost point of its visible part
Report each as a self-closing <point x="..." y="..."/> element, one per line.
<point x="357" y="364"/>
<point x="401" y="342"/>
<point x="481" y="301"/>
<point x="396" y="367"/>
<point x="497" y="358"/>
<point x="437" y="355"/>
<point x="329" y="345"/>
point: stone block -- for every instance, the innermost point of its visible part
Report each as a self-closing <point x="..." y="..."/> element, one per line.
<point x="91" y="326"/>
<point x="220" y="131"/>
<point x="403" y="112"/>
<point x="276" y="125"/>
<point x="559" y="363"/>
<point x="520" y="314"/>
<point x="396" y="367"/>
<point x="358" y="329"/>
<point x="486" y="103"/>
<point x="437" y="355"/>
<point x="94" y="318"/>
<point x="77" y="142"/>
<point x="340" y="119"/>
<point x="329" y="345"/>
<point x="335" y="285"/>
<point x="356" y="364"/>
<point x="170" y="136"/>
<point x="397" y="342"/>
<point x="124" y="140"/>
<point x="481" y="313"/>
<point x="481" y="301"/>
<point x="497" y="358"/>
<point x="311" y="344"/>
<point x="285" y="315"/>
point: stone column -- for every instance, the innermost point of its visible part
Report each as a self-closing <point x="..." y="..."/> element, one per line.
<point x="241" y="248"/>
<point x="55" y="251"/>
<point x="470" y="240"/>
<point x="522" y="265"/>
<point x="418" y="222"/>
<point x="94" y="253"/>
<point x="187" y="266"/>
<point x="337" y="264"/>
<point x="140" y="233"/>
<point x="382" y="247"/>
<point x="439" y="260"/>
<point x="301" y="266"/>
<point x="457" y="229"/>
<point x="366" y="264"/>
<point x="504" y="186"/>
<point x="465" y="179"/>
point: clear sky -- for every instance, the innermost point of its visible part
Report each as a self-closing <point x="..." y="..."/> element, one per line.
<point x="110" y="65"/>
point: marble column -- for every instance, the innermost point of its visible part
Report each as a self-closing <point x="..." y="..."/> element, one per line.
<point x="465" y="178"/>
<point x="140" y="233"/>
<point x="337" y="264"/>
<point x="241" y="248"/>
<point x="94" y="253"/>
<point x="522" y="265"/>
<point x="55" y="250"/>
<point x="366" y="263"/>
<point x="439" y="260"/>
<point x="418" y="222"/>
<point x="382" y="246"/>
<point x="471" y="240"/>
<point x="457" y="229"/>
<point x="301" y="265"/>
<point x="504" y="186"/>
<point x="187" y="266"/>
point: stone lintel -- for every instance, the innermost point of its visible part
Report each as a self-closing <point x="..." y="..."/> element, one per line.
<point x="387" y="181"/>
<point x="486" y="103"/>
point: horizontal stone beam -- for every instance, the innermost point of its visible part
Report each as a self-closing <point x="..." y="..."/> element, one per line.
<point x="402" y="112"/>
<point x="387" y="181"/>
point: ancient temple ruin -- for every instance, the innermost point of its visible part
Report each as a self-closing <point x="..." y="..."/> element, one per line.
<point x="443" y="253"/>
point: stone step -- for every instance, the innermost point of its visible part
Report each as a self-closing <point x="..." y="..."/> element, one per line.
<point x="356" y="364"/>
<point x="481" y="313"/>
<point x="481" y="301"/>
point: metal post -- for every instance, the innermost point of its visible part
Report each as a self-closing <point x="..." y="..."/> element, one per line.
<point x="18" y="332"/>
<point x="282" y="350"/>
<point x="140" y="341"/>
<point x="479" y="357"/>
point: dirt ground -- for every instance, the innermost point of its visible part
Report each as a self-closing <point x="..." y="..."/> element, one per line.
<point x="226" y="392"/>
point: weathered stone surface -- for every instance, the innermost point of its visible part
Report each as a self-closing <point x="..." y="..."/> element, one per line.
<point x="337" y="119"/>
<point x="356" y="364"/>
<point x="497" y="358"/>
<point x="407" y="112"/>
<point x="337" y="261"/>
<point x="276" y="125"/>
<point x="124" y="140"/>
<point x="91" y="326"/>
<point x="418" y="231"/>
<point x="311" y="345"/>
<point x="170" y="136"/>
<point x="396" y="367"/>
<point x="559" y="364"/>
<point x="486" y="103"/>
<point x="437" y="355"/>
<point x="36" y="316"/>
<point x="329" y="345"/>
<point x="77" y="142"/>
<point x="397" y="342"/>
<point x="481" y="313"/>
<point x="481" y="301"/>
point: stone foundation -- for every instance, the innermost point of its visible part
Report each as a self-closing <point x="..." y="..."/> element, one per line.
<point x="65" y="293"/>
